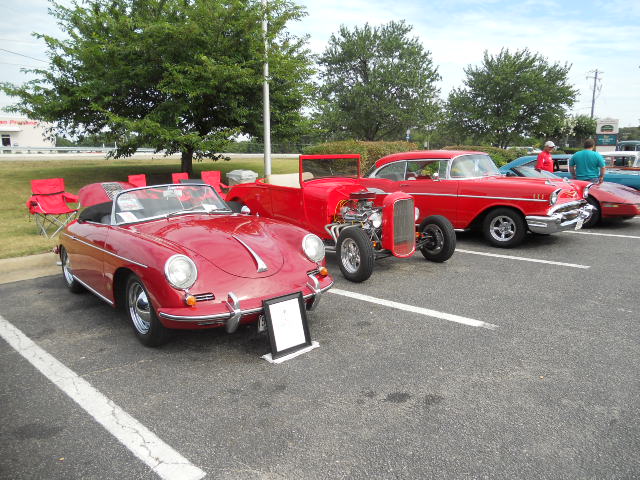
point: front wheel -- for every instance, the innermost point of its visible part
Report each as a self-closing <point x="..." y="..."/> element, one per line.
<point x="504" y="228"/>
<point x="355" y="254"/>
<point x="594" y="219"/>
<point x="438" y="239"/>
<point x="67" y="273"/>
<point x="142" y="315"/>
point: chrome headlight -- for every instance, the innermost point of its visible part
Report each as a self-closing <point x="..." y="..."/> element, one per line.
<point x="417" y="213"/>
<point x="553" y="198"/>
<point x="313" y="247"/>
<point x="181" y="272"/>
<point x="585" y="193"/>
<point x="376" y="219"/>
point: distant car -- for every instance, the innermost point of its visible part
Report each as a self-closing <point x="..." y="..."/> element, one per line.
<point x="609" y="200"/>
<point x="178" y="257"/>
<point x="628" y="145"/>
<point x="627" y="177"/>
<point x="328" y="197"/>
<point x="467" y="188"/>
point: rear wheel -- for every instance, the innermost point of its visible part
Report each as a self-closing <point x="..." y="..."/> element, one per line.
<point x="438" y="239"/>
<point x="594" y="219"/>
<point x="142" y="315"/>
<point x="355" y="254"/>
<point x="504" y="228"/>
<point x="67" y="273"/>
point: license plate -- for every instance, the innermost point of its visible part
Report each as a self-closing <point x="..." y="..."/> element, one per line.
<point x="579" y="223"/>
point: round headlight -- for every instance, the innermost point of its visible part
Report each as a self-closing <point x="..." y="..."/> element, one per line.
<point x="313" y="247"/>
<point x="585" y="192"/>
<point x="181" y="272"/>
<point x="376" y="219"/>
<point x="553" y="198"/>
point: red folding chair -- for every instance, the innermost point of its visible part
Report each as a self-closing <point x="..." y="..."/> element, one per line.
<point x="176" y="177"/>
<point x="212" y="177"/>
<point x="49" y="204"/>
<point x="139" y="180"/>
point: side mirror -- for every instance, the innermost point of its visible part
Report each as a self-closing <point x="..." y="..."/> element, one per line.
<point x="245" y="210"/>
<point x="435" y="176"/>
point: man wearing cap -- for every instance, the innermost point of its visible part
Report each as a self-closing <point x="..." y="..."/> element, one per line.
<point x="587" y="164"/>
<point x="545" y="162"/>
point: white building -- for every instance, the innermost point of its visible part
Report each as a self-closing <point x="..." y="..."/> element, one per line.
<point x="23" y="132"/>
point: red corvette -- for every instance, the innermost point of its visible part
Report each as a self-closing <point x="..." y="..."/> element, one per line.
<point x="467" y="188"/>
<point x="329" y="198"/>
<point x="178" y="257"/>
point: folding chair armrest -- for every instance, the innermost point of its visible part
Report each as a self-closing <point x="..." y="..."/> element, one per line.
<point x="70" y="197"/>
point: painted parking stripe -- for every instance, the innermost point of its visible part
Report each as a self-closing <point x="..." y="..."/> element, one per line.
<point x="606" y="234"/>
<point x="410" y="308"/>
<point x="143" y="443"/>
<point x="523" y="259"/>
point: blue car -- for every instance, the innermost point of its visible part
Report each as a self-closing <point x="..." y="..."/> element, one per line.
<point x="629" y="178"/>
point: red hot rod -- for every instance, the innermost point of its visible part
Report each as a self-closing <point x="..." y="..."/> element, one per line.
<point x="328" y="197"/>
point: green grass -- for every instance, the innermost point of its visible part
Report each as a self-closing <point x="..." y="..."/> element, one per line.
<point x="18" y="231"/>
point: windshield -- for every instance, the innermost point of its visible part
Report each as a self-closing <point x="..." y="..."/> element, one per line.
<point x="329" y="167"/>
<point x="473" y="166"/>
<point x="621" y="160"/>
<point x="165" y="200"/>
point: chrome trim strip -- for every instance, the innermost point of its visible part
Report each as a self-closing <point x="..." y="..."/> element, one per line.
<point x="262" y="267"/>
<point x="107" y="251"/>
<point x="477" y="196"/>
<point x="101" y="297"/>
<point x="224" y="316"/>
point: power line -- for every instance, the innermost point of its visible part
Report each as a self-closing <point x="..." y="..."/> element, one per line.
<point x="26" y="56"/>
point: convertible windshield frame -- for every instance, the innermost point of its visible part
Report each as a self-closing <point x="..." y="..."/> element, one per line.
<point x="339" y="166"/>
<point x="154" y="202"/>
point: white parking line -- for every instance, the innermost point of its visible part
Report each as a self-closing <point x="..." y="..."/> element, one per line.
<point x="143" y="443"/>
<point x="606" y="234"/>
<point x="523" y="259"/>
<point x="410" y="308"/>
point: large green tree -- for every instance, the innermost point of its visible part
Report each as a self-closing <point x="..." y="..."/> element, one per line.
<point x="512" y="95"/>
<point x="178" y="75"/>
<point x="376" y="82"/>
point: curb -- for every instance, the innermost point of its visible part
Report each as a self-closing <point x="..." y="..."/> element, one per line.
<point x="26" y="268"/>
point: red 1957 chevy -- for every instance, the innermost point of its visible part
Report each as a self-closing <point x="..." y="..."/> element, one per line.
<point x="467" y="188"/>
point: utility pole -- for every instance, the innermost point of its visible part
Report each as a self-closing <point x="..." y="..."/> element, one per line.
<point x="266" y="111"/>
<point x="595" y="87"/>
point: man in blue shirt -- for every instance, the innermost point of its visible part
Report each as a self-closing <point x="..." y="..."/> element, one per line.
<point x="587" y="164"/>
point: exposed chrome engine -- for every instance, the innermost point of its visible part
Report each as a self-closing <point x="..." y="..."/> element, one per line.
<point x="357" y="211"/>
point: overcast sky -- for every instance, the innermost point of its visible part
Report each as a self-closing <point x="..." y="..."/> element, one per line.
<point x="588" y="34"/>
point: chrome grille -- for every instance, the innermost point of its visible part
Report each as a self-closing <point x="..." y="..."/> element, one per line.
<point x="403" y="227"/>
<point x="203" y="297"/>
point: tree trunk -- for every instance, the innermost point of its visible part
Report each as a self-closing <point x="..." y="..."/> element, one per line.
<point x="186" y="162"/>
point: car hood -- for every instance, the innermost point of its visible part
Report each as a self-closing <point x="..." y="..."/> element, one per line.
<point x="238" y="244"/>
<point x="629" y="194"/>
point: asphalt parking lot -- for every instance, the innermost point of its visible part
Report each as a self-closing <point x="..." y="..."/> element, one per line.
<point x="522" y="363"/>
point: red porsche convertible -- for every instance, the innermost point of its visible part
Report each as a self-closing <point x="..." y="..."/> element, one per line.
<point x="178" y="257"/>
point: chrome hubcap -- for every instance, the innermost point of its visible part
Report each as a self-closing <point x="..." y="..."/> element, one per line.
<point x="66" y="268"/>
<point x="435" y="238"/>
<point x="502" y="228"/>
<point x="139" y="308"/>
<point x="350" y="255"/>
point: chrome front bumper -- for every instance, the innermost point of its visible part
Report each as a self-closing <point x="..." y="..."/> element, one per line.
<point x="562" y="218"/>
<point x="231" y="319"/>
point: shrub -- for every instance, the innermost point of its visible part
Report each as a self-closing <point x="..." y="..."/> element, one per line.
<point x="369" y="152"/>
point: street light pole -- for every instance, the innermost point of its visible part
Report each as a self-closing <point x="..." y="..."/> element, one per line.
<point x="266" y="111"/>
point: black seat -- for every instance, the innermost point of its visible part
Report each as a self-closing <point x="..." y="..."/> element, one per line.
<point x="96" y="213"/>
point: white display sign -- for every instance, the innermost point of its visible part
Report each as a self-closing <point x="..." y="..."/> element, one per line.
<point x="606" y="126"/>
<point x="287" y="324"/>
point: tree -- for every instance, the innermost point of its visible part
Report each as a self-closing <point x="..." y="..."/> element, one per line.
<point x="376" y="82"/>
<point x="583" y="127"/>
<point x="178" y="75"/>
<point x="512" y="95"/>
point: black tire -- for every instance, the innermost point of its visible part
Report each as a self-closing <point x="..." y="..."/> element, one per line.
<point x="67" y="273"/>
<point x="504" y="228"/>
<point x="440" y="238"/>
<point x="355" y="254"/>
<point x="141" y="314"/>
<point x="595" y="217"/>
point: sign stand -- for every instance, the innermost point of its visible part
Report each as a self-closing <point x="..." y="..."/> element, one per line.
<point x="288" y="328"/>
